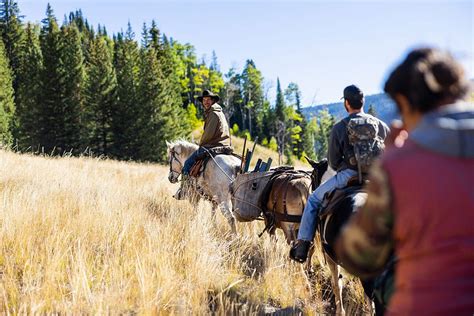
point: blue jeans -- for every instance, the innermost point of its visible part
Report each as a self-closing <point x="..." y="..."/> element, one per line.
<point x="313" y="205"/>
<point x="188" y="164"/>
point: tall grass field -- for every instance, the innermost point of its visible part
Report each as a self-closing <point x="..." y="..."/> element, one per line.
<point x="94" y="236"/>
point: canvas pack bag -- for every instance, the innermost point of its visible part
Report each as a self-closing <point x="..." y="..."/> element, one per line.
<point x="247" y="191"/>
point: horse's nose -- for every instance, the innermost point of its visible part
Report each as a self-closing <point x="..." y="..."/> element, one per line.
<point x="172" y="179"/>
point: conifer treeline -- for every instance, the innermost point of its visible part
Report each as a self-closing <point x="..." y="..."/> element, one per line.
<point x="71" y="88"/>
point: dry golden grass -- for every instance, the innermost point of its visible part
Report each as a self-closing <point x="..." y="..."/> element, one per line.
<point x="81" y="235"/>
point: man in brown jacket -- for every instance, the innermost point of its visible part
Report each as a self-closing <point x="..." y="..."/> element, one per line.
<point x="216" y="129"/>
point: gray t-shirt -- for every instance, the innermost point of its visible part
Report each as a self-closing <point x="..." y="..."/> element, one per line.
<point x="339" y="148"/>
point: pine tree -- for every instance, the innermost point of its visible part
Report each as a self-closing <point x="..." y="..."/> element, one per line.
<point x="85" y="30"/>
<point x="29" y="91"/>
<point x="160" y="99"/>
<point x="61" y="108"/>
<point x="372" y="110"/>
<point x="280" y="104"/>
<point x="172" y="96"/>
<point x="7" y="106"/>
<point x="325" y="123"/>
<point x="145" y="36"/>
<point x="232" y="98"/>
<point x="154" y="38"/>
<point x="281" y="122"/>
<point x="151" y="90"/>
<point x="100" y="96"/>
<point x="12" y="33"/>
<point x="72" y="71"/>
<point x="253" y="97"/>
<point x="303" y="141"/>
<point x="125" y="124"/>
<point x="214" y="66"/>
<point x="51" y="94"/>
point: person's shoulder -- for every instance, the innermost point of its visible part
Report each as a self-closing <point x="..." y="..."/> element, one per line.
<point x="340" y="125"/>
<point x="216" y="108"/>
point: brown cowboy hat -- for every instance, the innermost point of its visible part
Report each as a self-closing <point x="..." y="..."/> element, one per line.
<point x="208" y="93"/>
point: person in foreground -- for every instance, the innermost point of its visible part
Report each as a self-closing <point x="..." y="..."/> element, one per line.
<point x="420" y="200"/>
<point x="341" y="158"/>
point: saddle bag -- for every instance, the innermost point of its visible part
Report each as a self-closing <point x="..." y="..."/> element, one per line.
<point x="247" y="190"/>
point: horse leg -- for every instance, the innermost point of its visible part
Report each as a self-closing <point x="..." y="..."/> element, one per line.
<point x="289" y="232"/>
<point x="336" y="285"/>
<point x="308" y="263"/>
<point x="368" y="286"/>
<point x="225" y="208"/>
<point x="273" y="236"/>
<point x="213" y="210"/>
<point x="370" y="304"/>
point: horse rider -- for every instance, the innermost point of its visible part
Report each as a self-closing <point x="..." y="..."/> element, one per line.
<point x="420" y="199"/>
<point x="216" y="129"/>
<point x="340" y="158"/>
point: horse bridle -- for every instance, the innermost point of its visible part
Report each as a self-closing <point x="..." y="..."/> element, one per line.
<point x="173" y="156"/>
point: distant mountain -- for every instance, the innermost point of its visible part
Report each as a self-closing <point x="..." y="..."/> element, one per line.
<point x="384" y="107"/>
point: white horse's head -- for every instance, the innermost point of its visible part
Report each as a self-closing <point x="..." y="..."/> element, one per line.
<point x="178" y="152"/>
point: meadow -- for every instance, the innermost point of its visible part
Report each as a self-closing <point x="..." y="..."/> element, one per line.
<point x="96" y="236"/>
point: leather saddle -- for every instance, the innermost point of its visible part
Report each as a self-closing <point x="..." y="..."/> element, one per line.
<point x="201" y="160"/>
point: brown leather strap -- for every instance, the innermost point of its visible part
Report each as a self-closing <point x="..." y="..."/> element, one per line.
<point x="288" y="218"/>
<point x="288" y="179"/>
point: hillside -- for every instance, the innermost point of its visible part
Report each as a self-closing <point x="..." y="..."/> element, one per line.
<point x="384" y="107"/>
<point x="260" y="151"/>
<point x="92" y="236"/>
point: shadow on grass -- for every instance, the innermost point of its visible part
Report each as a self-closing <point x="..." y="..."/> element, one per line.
<point x="231" y="302"/>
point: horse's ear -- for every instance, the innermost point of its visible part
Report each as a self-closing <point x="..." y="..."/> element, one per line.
<point x="313" y="163"/>
<point x="324" y="162"/>
<point x="167" y="144"/>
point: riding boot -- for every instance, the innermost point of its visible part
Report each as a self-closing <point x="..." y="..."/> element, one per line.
<point x="299" y="251"/>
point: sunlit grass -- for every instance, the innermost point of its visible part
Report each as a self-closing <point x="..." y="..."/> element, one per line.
<point x="90" y="236"/>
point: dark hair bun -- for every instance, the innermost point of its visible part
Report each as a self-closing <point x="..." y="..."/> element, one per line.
<point x="428" y="77"/>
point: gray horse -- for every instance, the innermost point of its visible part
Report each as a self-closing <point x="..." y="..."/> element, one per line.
<point x="213" y="182"/>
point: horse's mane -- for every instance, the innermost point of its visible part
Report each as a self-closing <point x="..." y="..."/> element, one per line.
<point x="185" y="145"/>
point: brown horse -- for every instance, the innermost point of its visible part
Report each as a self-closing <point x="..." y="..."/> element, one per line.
<point x="285" y="207"/>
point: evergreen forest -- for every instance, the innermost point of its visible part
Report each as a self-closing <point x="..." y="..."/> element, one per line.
<point x="72" y="88"/>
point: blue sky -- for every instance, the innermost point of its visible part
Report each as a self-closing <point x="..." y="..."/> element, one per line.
<point x="321" y="45"/>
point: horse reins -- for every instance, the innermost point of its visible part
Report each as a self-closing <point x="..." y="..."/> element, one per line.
<point x="173" y="156"/>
